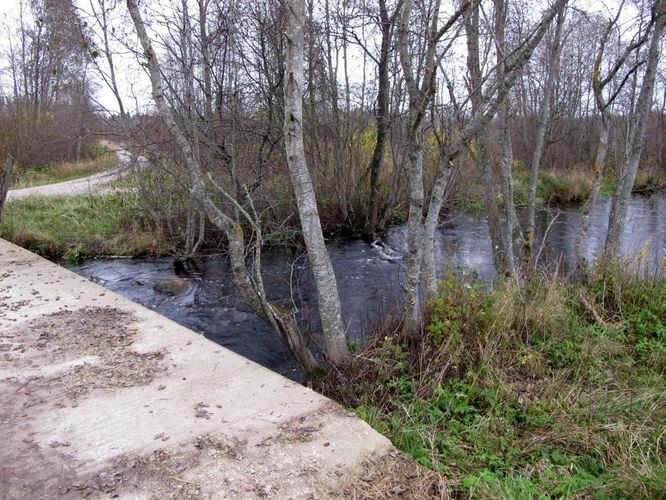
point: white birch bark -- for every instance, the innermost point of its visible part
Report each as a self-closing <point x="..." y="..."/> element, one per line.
<point x="513" y="236"/>
<point x="638" y="127"/>
<point x="421" y="89"/>
<point x="251" y="290"/>
<point x="329" y="302"/>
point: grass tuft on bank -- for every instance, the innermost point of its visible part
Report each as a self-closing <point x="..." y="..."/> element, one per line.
<point x="532" y="390"/>
<point x="574" y="186"/>
<point x="74" y="227"/>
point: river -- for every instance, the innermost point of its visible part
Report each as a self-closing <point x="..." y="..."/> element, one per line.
<point x="368" y="276"/>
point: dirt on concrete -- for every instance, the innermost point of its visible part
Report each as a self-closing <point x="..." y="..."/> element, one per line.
<point x="394" y="476"/>
<point x="92" y="345"/>
<point x="62" y="357"/>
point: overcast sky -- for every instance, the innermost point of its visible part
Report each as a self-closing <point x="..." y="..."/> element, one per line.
<point x="134" y="83"/>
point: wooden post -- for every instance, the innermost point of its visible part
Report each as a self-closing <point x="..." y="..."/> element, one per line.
<point x="5" y="180"/>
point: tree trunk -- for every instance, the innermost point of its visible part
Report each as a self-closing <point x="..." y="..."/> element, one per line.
<point x="329" y="302"/>
<point x="513" y="236"/>
<point x="5" y="179"/>
<point x="638" y="127"/>
<point x="483" y="158"/>
<point x="252" y="291"/>
<point x="414" y="233"/>
<point x="382" y="119"/>
<point x="599" y="169"/>
<point x="437" y="199"/>
<point x="544" y="122"/>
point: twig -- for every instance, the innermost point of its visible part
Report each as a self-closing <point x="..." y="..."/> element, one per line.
<point x="590" y="307"/>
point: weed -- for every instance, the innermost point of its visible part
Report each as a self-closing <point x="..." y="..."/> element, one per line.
<point x="400" y="215"/>
<point x="473" y="207"/>
<point x="521" y="392"/>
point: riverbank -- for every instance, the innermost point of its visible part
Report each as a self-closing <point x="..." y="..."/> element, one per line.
<point x="554" y="187"/>
<point x="86" y="226"/>
<point x="545" y="388"/>
<point x="81" y="226"/>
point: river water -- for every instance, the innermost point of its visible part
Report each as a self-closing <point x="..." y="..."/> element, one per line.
<point x="368" y="276"/>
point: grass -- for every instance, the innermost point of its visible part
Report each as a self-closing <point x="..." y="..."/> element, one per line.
<point x="537" y="389"/>
<point x="74" y="227"/>
<point x="554" y="187"/>
<point x="100" y="158"/>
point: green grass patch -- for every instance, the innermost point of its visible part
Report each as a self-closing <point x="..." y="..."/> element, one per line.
<point x="98" y="159"/>
<point x="539" y="389"/>
<point x="80" y="226"/>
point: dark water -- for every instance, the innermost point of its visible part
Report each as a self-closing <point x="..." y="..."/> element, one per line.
<point x="368" y="277"/>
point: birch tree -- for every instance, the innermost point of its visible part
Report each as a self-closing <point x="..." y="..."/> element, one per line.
<point x="421" y="86"/>
<point x="636" y="136"/>
<point x="327" y="291"/>
<point x="421" y="226"/>
<point x="545" y="117"/>
<point x="600" y="82"/>
<point x="250" y="285"/>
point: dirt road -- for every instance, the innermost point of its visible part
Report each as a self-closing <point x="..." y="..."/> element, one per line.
<point x="92" y="184"/>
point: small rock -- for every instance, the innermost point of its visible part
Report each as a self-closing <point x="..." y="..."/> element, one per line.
<point x="172" y="286"/>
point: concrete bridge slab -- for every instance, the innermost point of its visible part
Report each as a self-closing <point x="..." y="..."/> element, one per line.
<point x="102" y="397"/>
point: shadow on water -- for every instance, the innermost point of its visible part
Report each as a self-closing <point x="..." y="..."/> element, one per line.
<point x="369" y="276"/>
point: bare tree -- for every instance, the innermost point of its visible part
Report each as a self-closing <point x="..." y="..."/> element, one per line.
<point x="603" y="104"/>
<point x="387" y="22"/>
<point x="636" y="138"/>
<point x="250" y="286"/>
<point x="545" y="116"/>
<point x="477" y="98"/>
<point x="327" y="291"/>
<point x="421" y="87"/>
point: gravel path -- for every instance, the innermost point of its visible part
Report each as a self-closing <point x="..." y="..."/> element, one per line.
<point x="92" y="184"/>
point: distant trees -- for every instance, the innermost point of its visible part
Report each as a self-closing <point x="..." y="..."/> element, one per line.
<point x="46" y="113"/>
